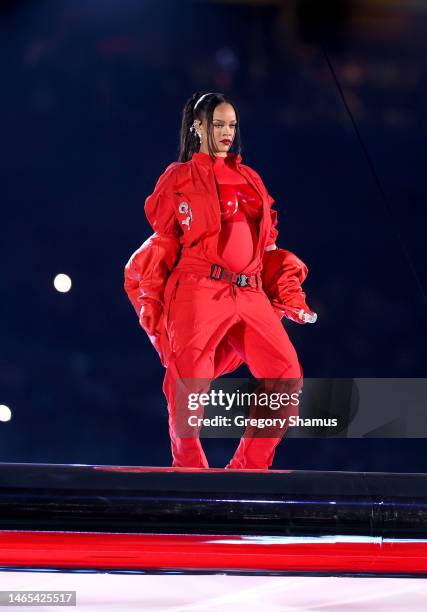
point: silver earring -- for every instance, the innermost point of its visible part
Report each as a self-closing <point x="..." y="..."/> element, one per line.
<point x="197" y="131"/>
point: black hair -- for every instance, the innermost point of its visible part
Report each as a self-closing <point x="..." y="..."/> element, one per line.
<point x="189" y="141"/>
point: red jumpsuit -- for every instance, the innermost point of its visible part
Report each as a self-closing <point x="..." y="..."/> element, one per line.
<point x="208" y="293"/>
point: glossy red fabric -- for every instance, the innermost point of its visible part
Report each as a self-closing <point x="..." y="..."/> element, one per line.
<point x="201" y="327"/>
<point x="213" y="552"/>
<point x="240" y="213"/>
<point x="241" y="209"/>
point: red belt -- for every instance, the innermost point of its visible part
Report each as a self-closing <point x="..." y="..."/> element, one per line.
<point x="242" y="280"/>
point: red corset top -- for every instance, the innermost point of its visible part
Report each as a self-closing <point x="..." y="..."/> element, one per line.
<point x="239" y="200"/>
<point x="241" y="209"/>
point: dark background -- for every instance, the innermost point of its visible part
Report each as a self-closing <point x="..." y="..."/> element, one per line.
<point x="333" y="104"/>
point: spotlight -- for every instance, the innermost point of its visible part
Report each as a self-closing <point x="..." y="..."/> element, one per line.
<point x="5" y="413"/>
<point x="62" y="283"/>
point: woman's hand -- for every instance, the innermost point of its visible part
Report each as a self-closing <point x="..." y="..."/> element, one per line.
<point x="151" y="320"/>
<point x="300" y="315"/>
<point x="149" y="316"/>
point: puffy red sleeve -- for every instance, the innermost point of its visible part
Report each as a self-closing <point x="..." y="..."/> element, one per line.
<point x="149" y="267"/>
<point x="159" y="206"/>
<point x="282" y="276"/>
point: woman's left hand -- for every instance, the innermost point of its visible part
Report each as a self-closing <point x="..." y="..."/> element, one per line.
<point x="300" y="315"/>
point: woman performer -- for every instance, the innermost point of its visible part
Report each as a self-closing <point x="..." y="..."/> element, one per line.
<point x="210" y="286"/>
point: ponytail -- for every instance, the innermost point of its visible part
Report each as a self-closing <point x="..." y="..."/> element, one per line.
<point x="189" y="141"/>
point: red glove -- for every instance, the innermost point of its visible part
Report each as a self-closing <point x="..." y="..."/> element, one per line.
<point x="150" y="315"/>
<point x="151" y="320"/>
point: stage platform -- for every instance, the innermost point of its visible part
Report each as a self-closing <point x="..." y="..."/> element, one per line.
<point x="101" y="518"/>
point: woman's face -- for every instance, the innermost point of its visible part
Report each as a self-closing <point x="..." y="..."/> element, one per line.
<point x="223" y="130"/>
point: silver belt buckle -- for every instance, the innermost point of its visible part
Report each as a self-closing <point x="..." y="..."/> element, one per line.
<point x="242" y="280"/>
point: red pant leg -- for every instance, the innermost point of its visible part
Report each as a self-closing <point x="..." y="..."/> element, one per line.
<point x="200" y="312"/>
<point x="264" y="345"/>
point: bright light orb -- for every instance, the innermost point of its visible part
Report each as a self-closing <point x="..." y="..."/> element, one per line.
<point x="5" y="413"/>
<point x="62" y="283"/>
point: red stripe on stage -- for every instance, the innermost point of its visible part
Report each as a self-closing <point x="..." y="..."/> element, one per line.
<point x="205" y="552"/>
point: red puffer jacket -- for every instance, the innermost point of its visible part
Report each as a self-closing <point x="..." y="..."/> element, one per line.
<point x="184" y="213"/>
